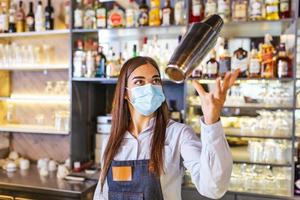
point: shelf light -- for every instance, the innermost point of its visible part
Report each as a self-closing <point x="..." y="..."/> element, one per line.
<point x="37" y="99"/>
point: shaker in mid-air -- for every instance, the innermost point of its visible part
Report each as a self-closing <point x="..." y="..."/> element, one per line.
<point x="197" y="42"/>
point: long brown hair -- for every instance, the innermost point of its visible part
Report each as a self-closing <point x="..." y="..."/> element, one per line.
<point x="121" y="119"/>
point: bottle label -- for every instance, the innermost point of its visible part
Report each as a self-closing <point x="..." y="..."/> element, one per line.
<point x="282" y="68"/>
<point x="240" y="10"/>
<point x="116" y="19"/>
<point x="78" y="16"/>
<point x="210" y="9"/>
<point x="175" y="115"/>
<point x="101" y="18"/>
<point x="143" y="17"/>
<point x="212" y="68"/>
<point x="129" y="18"/>
<point x="166" y="19"/>
<point x="179" y="12"/>
<point x="224" y="65"/>
<point x="254" y="66"/>
<point x="20" y="16"/>
<point x="196" y="8"/>
<point x="284" y="5"/>
<point x="89" y="19"/>
<point x="154" y="17"/>
<point x="223" y="7"/>
<point x="256" y="9"/>
<point x="239" y="64"/>
<point x="2" y="22"/>
<point x="29" y="21"/>
<point x="39" y="24"/>
<point x="272" y="9"/>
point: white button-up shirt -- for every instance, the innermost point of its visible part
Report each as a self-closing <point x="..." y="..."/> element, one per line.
<point x="208" y="160"/>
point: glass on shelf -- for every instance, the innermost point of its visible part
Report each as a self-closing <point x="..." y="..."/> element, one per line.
<point x="270" y="151"/>
<point x="24" y="55"/>
<point x="62" y="120"/>
<point x="261" y="179"/>
<point x="58" y="88"/>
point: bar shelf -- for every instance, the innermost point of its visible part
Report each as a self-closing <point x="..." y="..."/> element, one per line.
<point x="24" y="128"/>
<point x="284" y="195"/>
<point x="37" y="99"/>
<point x="34" y="67"/>
<point x="252" y="106"/>
<point x="34" y="34"/>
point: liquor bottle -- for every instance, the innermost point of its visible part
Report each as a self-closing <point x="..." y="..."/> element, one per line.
<point x="78" y="60"/>
<point x="67" y="12"/>
<point x="20" y="18"/>
<point x="196" y="11"/>
<point x="224" y="10"/>
<point x="39" y="18"/>
<point x="283" y="62"/>
<point x="212" y="66"/>
<point x="224" y="61"/>
<point x="89" y="17"/>
<point x="3" y="21"/>
<point x="111" y="68"/>
<point x="174" y="111"/>
<point x="101" y="15"/>
<point x="179" y="13"/>
<point x="78" y="15"/>
<point x="30" y="18"/>
<point x="154" y="14"/>
<point x="240" y="61"/>
<point x="49" y="16"/>
<point x="130" y="15"/>
<point x="144" y="50"/>
<point x="134" y="51"/>
<point x="268" y="65"/>
<point x="272" y="9"/>
<point x="210" y="7"/>
<point x="239" y="10"/>
<point x="256" y="10"/>
<point x="101" y="62"/>
<point x="116" y="17"/>
<point x="90" y="65"/>
<point x="143" y="18"/>
<point x="12" y="18"/>
<point x="285" y="9"/>
<point x="167" y="14"/>
<point x="254" y="63"/>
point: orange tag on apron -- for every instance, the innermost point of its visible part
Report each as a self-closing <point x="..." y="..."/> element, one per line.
<point x="122" y="173"/>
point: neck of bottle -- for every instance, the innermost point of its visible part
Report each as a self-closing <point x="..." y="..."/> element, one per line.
<point x="31" y="7"/>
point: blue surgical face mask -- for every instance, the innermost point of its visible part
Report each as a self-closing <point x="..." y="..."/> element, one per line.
<point x="147" y="99"/>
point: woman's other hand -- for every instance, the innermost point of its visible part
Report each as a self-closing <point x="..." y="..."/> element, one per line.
<point x="212" y="102"/>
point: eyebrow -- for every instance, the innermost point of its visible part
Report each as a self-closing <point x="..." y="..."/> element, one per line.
<point x="142" y="77"/>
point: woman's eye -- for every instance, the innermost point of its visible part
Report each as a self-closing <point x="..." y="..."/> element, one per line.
<point x="138" y="82"/>
<point x="157" y="81"/>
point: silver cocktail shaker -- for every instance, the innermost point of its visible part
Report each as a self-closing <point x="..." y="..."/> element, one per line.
<point x="196" y="43"/>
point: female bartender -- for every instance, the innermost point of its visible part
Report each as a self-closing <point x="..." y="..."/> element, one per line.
<point x="141" y="160"/>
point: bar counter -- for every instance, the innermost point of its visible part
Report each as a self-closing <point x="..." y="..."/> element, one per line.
<point x="30" y="185"/>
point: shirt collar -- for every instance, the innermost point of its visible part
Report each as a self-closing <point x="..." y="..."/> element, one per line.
<point x="148" y="130"/>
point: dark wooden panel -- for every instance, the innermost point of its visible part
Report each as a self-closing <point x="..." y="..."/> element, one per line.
<point x="36" y="146"/>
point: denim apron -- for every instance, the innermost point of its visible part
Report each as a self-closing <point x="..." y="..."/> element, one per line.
<point x="144" y="185"/>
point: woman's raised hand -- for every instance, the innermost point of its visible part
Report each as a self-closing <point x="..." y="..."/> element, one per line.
<point x="212" y="102"/>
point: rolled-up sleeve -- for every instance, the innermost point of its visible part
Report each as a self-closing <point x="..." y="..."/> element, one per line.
<point x="208" y="160"/>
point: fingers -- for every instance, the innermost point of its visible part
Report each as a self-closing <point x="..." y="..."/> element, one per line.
<point x="226" y="80"/>
<point x="233" y="77"/>
<point x="218" y="87"/>
<point x="199" y="88"/>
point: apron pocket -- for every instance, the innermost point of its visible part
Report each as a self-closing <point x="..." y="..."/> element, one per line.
<point x="125" y="195"/>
